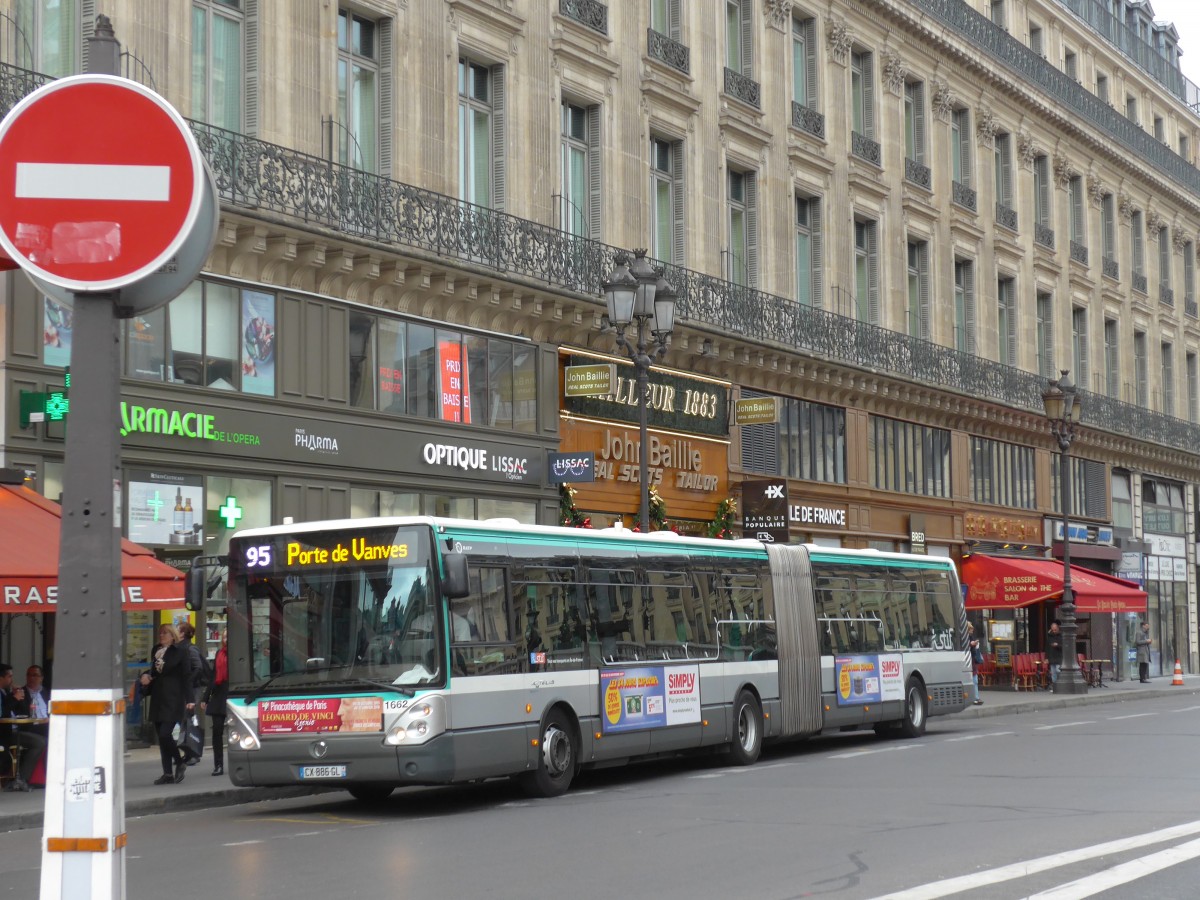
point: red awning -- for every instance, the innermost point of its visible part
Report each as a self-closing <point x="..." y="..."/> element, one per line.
<point x="1003" y="582"/>
<point x="29" y="538"/>
<point x="6" y="262"/>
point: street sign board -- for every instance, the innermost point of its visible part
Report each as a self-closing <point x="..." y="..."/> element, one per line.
<point x="590" y="381"/>
<point x="756" y="411"/>
<point x="101" y="181"/>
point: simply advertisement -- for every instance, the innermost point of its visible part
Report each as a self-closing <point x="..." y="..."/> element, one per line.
<point x="868" y="678"/>
<point x="644" y="697"/>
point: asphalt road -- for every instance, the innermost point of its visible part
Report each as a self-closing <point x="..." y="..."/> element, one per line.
<point x="1084" y="801"/>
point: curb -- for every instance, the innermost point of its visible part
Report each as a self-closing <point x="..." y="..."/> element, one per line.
<point x="1094" y="697"/>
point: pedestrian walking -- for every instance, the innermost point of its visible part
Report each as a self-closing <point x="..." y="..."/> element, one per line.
<point x="1142" y="642"/>
<point x="198" y="666"/>
<point x="1054" y="651"/>
<point x="976" y="659"/>
<point x="169" y="684"/>
<point x="215" y="696"/>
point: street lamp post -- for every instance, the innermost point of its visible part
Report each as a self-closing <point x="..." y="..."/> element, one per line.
<point x="1063" y="410"/>
<point x="636" y="294"/>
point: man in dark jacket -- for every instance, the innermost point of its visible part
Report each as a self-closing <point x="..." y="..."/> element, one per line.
<point x="198" y="667"/>
<point x="14" y="703"/>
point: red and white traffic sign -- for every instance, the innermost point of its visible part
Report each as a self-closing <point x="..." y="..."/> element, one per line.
<point x="101" y="181"/>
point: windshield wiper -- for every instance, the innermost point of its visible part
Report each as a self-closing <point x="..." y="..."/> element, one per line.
<point x="398" y="688"/>
<point x="258" y="692"/>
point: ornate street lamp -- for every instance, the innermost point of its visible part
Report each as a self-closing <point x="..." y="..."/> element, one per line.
<point x="637" y="294"/>
<point x="1063" y="410"/>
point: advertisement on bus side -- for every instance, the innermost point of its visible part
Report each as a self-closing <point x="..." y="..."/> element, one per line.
<point x="868" y="679"/>
<point x="635" y="699"/>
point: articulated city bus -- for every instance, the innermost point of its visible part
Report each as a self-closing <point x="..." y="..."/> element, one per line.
<point x="377" y="653"/>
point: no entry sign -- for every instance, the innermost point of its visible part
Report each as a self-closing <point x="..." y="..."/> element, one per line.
<point x="101" y="181"/>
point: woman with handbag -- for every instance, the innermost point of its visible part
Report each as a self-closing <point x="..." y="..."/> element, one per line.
<point x="976" y="660"/>
<point x="215" y="696"/>
<point x="169" y="684"/>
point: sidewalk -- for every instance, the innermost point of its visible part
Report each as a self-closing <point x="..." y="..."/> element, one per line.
<point x="200" y="789"/>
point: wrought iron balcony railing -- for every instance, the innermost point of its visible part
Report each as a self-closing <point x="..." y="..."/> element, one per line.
<point x="995" y="44"/>
<point x="1043" y="234"/>
<point x="1166" y="295"/>
<point x="808" y="120"/>
<point x="1140" y="284"/>
<point x="865" y="148"/>
<point x="1111" y="268"/>
<point x="1190" y="309"/>
<point x="1006" y="216"/>
<point x="256" y="176"/>
<point x="665" y="50"/>
<point x="918" y="174"/>
<point x="1079" y="252"/>
<point x="742" y="88"/>
<point x="964" y="196"/>
<point x="590" y="13"/>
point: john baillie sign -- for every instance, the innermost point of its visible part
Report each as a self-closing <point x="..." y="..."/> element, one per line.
<point x="675" y="402"/>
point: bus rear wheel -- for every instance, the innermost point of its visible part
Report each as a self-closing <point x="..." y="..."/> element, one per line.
<point x="371" y="793"/>
<point x="913" y="723"/>
<point x="558" y="757"/>
<point x="747" y="730"/>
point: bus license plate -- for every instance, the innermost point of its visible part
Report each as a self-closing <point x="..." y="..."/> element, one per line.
<point x="323" y="772"/>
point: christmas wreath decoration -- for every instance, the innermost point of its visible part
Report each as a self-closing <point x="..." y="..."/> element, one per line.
<point x="722" y="524"/>
<point x="568" y="513"/>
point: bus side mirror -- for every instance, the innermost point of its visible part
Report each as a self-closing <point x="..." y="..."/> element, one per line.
<point x="455" y="582"/>
<point x="195" y="588"/>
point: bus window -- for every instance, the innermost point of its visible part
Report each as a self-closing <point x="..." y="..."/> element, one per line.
<point x="480" y="627"/>
<point x="669" y="606"/>
<point x="614" y="610"/>
<point x="544" y="598"/>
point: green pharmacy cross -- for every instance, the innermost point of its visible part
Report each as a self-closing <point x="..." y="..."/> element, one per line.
<point x="230" y="512"/>
<point x="155" y="503"/>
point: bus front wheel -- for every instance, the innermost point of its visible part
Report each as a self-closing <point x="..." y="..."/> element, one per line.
<point x="747" y="730"/>
<point x="913" y="723"/>
<point x="558" y="758"/>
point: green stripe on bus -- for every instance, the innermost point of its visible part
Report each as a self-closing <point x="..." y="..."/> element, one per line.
<point x="605" y="543"/>
<point x="934" y="562"/>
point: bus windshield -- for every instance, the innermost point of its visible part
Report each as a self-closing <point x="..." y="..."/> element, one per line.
<point x="342" y="607"/>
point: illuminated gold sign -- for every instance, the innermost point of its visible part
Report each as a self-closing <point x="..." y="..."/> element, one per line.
<point x="359" y="550"/>
<point x="756" y="411"/>
<point x="590" y="381"/>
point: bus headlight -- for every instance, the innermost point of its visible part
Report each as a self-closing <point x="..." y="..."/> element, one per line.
<point x="241" y="735"/>
<point x="418" y="723"/>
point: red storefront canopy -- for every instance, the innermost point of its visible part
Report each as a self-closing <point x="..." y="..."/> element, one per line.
<point x="1001" y="582"/>
<point x="29" y="538"/>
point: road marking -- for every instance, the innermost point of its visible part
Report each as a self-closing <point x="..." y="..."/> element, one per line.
<point x="1186" y="709"/>
<point x="1134" y="716"/>
<point x="1062" y="725"/>
<point x="1123" y="874"/>
<point x="61" y="181"/>
<point x="857" y="753"/>
<point x="949" y="886"/>
<point x="241" y="843"/>
<point x="738" y="770"/>
<point x="975" y="737"/>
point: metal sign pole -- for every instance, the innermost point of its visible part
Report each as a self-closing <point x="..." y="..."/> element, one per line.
<point x="83" y="849"/>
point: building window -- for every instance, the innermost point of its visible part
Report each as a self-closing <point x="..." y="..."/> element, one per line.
<point x="412" y="369"/>
<point x="960" y="146"/>
<point x="358" y="96"/>
<point x="1131" y="108"/>
<point x="809" y="256"/>
<point x="996" y="14"/>
<point x="1164" y="261"/>
<point x="1102" y="87"/>
<point x="1076" y="192"/>
<point x="1184" y="147"/>
<point x="1163" y="511"/>
<point x="1108" y="223"/>
<point x="1137" y="246"/>
<point x="1036" y="44"/>
<point x="914" y="121"/>
<point x="1004" y="199"/>
<point x="1002" y="474"/>
<point x="1006" y="320"/>
<point x="1141" y="367"/>
<point x="905" y="456"/>
<point x="667" y="203"/>
<point x="212" y="335"/>
<point x="1112" y="358"/>
<point x="918" y="289"/>
<point x="1189" y="275"/>
<point x="1193" y="388"/>
<point x="862" y="94"/>
<point x="1079" y="346"/>
<point x="1166" y="352"/>
<point x="1160" y="129"/>
<point x="866" y="271"/>
<point x="804" y="62"/>
<point x="51" y="32"/>
<point x="1122" y="500"/>
<point x="1070" y="64"/>
<point x="964" y="306"/>
<point x="217" y="63"/>
<point x="481" y="140"/>
<point x="742" y="257"/>
<point x="1041" y="190"/>
<point x="808" y="442"/>
<point x="739" y="37"/>
<point x="1089" y="493"/>
<point x="580" y="164"/>
<point x="1045" y="334"/>
<point x="665" y="18"/>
